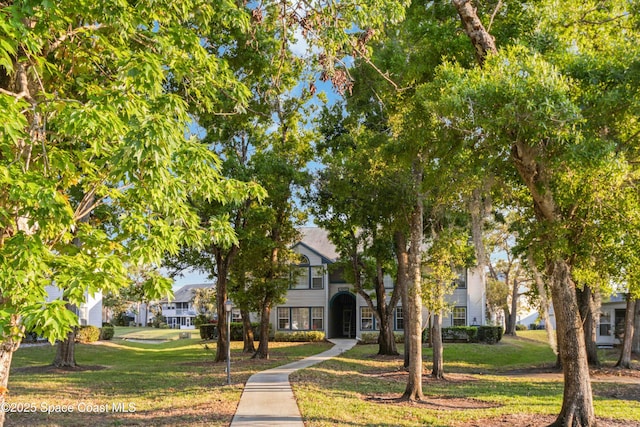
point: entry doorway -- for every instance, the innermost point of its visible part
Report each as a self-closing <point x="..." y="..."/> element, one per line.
<point x="342" y="316"/>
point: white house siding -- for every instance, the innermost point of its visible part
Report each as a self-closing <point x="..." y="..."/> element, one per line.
<point x="476" y="297"/>
<point x="89" y="313"/>
<point x="611" y="318"/>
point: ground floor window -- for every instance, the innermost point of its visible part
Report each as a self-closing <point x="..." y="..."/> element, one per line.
<point x="459" y="316"/>
<point x="367" y="319"/>
<point x="605" y="324"/>
<point x="399" y="319"/>
<point x="301" y="318"/>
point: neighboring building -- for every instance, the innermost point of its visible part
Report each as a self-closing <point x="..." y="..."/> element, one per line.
<point x="320" y="299"/>
<point x="89" y="313"/>
<point x="179" y="312"/>
<point x="611" y="323"/>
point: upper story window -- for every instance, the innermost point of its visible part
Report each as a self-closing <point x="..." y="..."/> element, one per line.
<point x="461" y="280"/>
<point x="306" y="276"/>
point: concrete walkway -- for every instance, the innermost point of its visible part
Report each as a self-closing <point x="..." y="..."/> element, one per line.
<point x="267" y="399"/>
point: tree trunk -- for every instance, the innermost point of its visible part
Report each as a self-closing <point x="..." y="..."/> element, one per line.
<point x="507" y="316"/>
<point x="386" y="339"/>
<point x="588" y="307"/>
<point x="482" y="41"/>
<point x="577" y="404"/>
<point x="413" y="390"/>
<point x="223" y="261"/>
<point x="635" y="347"/>
<point x="403" y="279"/>
<point x="66" y="352"/>
<point x="247" y="333"/>
<point x="263" y="347"/>
<point x="436" y="333"/>
<point x="544" y="304"/>
<point x="513" y="316"/>
<point x="7" y="348"/>
<point x="625" y="354"/>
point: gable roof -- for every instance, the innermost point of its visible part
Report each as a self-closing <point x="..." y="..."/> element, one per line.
<point x="317" y="240"/>
<point x="186" y="293"/>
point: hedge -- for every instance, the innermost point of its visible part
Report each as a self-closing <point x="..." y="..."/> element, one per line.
<point x="87" y="334"/>
<point x="107" y="332"/>
<point x="489" y="334"/>
<point x="372" y="337"/>
<point x="208" y="331"/>
<point x="300" y="336"/>
<point x="460" y="334"/>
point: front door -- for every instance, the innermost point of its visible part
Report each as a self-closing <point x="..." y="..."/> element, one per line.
<point x="346" y="322"/>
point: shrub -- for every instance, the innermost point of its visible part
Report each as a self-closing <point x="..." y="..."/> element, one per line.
<point x="87" y="334"/>
<point x="521" y="327"/>
<point x="209" y="331"/>
<point x="300" y="336"/>
<point x="107" y="332"/>
<point x="460" y="333"/>
<point x="489" y="334"/>
<point x="372" y="337"/>
<point x="200" y="319"/>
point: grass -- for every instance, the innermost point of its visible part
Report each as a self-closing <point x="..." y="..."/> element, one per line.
<point x="177" y="383"/>
<point x="139" y="333"/>
<point x="361" y="389"/>
<point x="172" y="383"/>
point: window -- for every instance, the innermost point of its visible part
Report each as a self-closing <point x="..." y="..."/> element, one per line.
<point x="317" y="315"/>
<point x="461" y="280"/>
<point x="366" y="319"/>
<point x="300" y="278"/>
<point x="301" y="318"/>
<point x="605" y="324"/>
<point x="284" y="318"/>
<point x="399" y="319"/>
<point x="317" y="278"/>
<point x="459" y="316"/>
<point x="236" y="316"/>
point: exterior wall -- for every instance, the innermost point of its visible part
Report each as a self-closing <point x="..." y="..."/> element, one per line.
<point x="607" y="325"/>
<point x="89" y="313"/>
<point x="472" y="297"/>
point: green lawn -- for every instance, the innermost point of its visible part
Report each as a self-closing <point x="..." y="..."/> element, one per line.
<point x="144" y="333"/>
<point x="173" y="383"/>
<point x="177" y="383"/>
<point x="361" y="389"/>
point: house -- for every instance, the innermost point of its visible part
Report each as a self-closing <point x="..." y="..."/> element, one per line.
<point x="89" y="312"/>
<point x="179" y="312"/>
<point x="319" y="299"/>
<point x="611" y="323"/>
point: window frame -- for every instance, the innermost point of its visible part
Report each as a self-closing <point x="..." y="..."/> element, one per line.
<point x="374" y="325"/>
<point x="462" y="279"/>
<point x="396" y="317"/>
<point x="454" y="318"/>
<point x="310" y="317"/>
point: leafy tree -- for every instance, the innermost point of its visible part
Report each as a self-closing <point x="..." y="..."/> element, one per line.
<point x="91" y="121"/>
<point x="530" y="107"/>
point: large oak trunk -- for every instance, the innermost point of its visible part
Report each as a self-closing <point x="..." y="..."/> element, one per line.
<point x="247" y="333"/>
<point x="436" y="334"/>
<point x="625" y="354"/>
<point x="263" y="347"/>
<point x="589" y="306"/>
<point x="577" y="405"/>
<point x="66" y="352"/>
<point x="413" y="390"/>
<point x="7" y="348"/>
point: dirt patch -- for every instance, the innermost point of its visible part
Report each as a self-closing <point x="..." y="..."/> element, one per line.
<point x="439" y="403"/>
<point x="530" y="420"/>
<point x="50" y="369"/>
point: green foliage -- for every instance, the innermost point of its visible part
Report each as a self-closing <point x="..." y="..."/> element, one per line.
<point x="521" y="327"/>
<point x="372" y="337"/>
<point x="490" y="334"/>
<point x="460" y="334"/>
<point x="107" y="332"/>
<point x="87" y="334"/>
<point x="208" y="331"/>
<point x="300" y="336"/>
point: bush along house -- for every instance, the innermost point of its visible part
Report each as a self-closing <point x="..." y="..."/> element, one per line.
<point x="319" y="299"/>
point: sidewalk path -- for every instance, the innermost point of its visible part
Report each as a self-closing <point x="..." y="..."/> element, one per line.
<point x="267" y="399"/>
